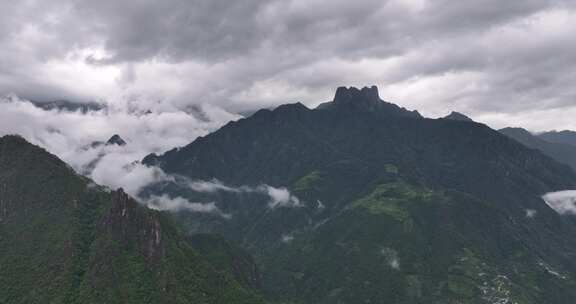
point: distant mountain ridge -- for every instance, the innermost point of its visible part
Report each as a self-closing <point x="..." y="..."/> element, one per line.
<point x="559" y="150"/>
<point x="561" y="137"/>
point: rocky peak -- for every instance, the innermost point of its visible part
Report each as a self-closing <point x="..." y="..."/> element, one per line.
<point x="365" y="100"/>
<point x="116" y="140"/>
<point x="457" y="116"/>
<point x="352" y="94"/>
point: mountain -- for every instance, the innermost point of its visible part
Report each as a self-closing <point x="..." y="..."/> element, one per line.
<point x="562" y="137"/>
<point x="116" y="140"/>
<point x="562" y="152"/>
<point x="64" y="239"/>
<point x="361" y="201"/>
<point x="457" y="116"/>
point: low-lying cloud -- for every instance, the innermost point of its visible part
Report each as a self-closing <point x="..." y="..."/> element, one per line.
<point x="213" y="186"/>
<point x="176" y="204"/>
<point x="77" y="138"/>
<point x="531" y="213"/>
<point x="279" y="197"/>
<point x="391" y="256"/>
<point x="563" y="202"/>
<point x="147" y="128"/>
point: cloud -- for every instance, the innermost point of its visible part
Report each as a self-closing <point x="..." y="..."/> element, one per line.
<point x="211" y="186"/>
<point x="70" y="136"/>
<point x="563" y="202"/>
<point x="147" y="127"/>
<point x="178" y="204"/>
<point x="391" y="257"/>
<point x="286" y="238"/>
<point x="496" y="61"/>
<point x="531" y="213"/>
<point x="279" y="197"/>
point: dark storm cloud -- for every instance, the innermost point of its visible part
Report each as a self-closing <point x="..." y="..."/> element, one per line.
<point x="174" y="30"/>
<point x="486" y="57"/>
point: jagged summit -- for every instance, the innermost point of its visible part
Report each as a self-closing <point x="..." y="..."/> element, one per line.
<point x="353" y="94"/>
<point x="367" y="99"/>
<point x="116" y="140"/>
<point x="457" y="116"/>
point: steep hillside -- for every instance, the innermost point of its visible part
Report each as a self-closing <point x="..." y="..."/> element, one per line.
<point x="387" y="207"/>
<point x="64" y="239"/>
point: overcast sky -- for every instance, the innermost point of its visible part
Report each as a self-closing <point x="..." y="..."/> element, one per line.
<point x="503" y="62"/>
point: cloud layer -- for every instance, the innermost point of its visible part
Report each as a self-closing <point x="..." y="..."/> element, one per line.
<point x="503" y="62"/>
<point x="563" y="202"/>
<point x="79" y="139"/>
<point x="278" y="197"/>
<point x="71" y="136"/>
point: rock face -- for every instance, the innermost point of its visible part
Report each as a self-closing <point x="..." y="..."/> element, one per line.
<point x="365" y="95"/>
<point x="64" y="239"/>
<point x="365" y="100"/>
<point x="394" y="208"/>
<point x="129" y="223"/>
<point x="116" y="140"/>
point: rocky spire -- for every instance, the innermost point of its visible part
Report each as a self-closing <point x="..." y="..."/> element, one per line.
<point x="116" y="140"/>
<point x="365" y="100"/>
<point x="352" y="94"/>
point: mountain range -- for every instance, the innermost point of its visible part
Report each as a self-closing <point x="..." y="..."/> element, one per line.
<point x="356" y="201"/>
<point x="392" y="206"/>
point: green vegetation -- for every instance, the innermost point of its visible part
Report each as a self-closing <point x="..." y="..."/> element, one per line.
<point x="391" y="169"/>
<point x="65" y="240"/>
<point x="395" y="199"/>
<point x="308" y="183"/>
